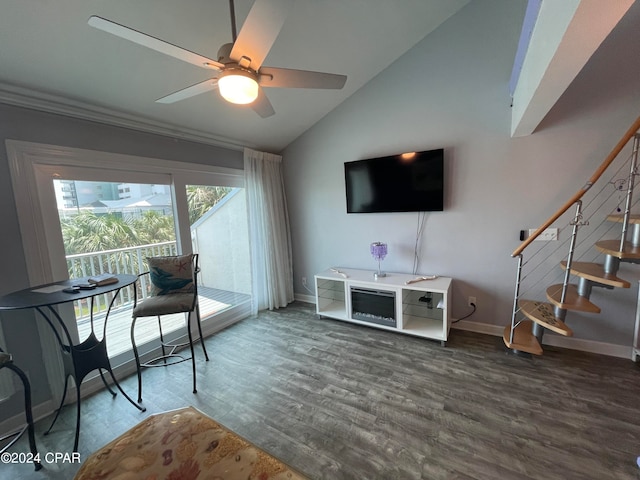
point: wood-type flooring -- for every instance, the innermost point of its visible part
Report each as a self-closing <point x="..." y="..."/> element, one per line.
<point x="341" y="401"/>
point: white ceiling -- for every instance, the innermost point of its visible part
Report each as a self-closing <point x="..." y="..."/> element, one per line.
<point x="51" y="59"/>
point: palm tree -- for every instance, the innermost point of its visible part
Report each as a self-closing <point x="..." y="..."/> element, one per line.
<point x="202" y="198"/>
<point x="88" y="232"/>
<point x="154" y="227"/>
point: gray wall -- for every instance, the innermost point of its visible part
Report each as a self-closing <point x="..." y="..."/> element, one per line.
<point x="451" y="91"/>
<point x="28" y="125"/>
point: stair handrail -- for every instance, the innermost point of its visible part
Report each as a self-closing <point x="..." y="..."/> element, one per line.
<point x="578" y="195"/>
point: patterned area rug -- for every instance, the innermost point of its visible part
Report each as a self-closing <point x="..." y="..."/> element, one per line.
<point x="182" y="444"/>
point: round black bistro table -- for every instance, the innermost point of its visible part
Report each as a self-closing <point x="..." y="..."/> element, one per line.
<point x="78" y="359"/>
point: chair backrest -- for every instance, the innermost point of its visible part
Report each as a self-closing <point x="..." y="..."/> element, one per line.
<point x="173" y="274"/>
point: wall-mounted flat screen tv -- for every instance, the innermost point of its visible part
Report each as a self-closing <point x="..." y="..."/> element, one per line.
<point x="407" y="182"/>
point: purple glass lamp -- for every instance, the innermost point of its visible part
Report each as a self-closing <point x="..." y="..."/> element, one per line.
<point x="379" y="251"/>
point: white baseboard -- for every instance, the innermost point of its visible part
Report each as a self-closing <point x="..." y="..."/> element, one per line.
<point x="591" y="346"/>
<point x="301" y="297"/>
<point x="571" y="343"/>
<point x="494" y="330"/>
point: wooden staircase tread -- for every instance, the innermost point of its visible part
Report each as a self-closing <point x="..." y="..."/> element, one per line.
<point x="595" y="272"/>
<point x="611" y="247"/>
<point x="573" y="301"/>
<point x="523" y="338"/>
<point x="543" y="314"/>
<point x="634" y="218"/>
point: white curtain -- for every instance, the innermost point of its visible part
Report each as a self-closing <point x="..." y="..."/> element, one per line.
<point x="269" y="234"/>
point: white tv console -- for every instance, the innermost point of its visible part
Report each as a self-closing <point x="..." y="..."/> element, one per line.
<point x="419" y="308"/>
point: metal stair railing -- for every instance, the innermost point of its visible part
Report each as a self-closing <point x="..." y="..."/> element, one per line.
<point x="580" y="193"/>
<point x="630" y="185"/>
<point x="578" y="221"/>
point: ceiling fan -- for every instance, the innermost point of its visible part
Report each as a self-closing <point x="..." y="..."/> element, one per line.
<point x="241" y="76"/>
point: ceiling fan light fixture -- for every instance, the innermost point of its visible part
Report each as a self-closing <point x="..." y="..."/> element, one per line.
<point x="238" y="86"/>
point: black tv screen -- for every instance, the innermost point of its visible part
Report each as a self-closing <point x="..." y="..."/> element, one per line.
<point x="408" y="182"/>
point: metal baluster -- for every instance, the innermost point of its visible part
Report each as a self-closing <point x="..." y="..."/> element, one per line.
<point x="515" y="299"/>
<point x="629" y="199"/>
<point x="577" y="222"/>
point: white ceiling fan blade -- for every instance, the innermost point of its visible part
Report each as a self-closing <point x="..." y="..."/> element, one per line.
<point x="262" y="106"/>
<point x="260" y="30"/>
<point x="153" y="43"/>
<point x="191" y="91"/>
<point x="288" y="78"/>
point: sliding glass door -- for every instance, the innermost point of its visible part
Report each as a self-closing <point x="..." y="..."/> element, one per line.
<point x="114" y="226"/>
<point x="51" y="184"/>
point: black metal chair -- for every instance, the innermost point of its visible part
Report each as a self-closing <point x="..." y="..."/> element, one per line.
<point x="174" y="289"/>
<point x="6" y="361"/>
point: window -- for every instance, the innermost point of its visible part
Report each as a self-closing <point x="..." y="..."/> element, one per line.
<point x="65" y="174"/>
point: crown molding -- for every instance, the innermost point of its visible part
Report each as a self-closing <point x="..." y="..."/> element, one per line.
<point x="45" y="102"/>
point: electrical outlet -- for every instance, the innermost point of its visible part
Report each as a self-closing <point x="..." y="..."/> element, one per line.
<point x="304" y="281"/>
<point x="550" y="234"/>
<point x="472" y="300"/>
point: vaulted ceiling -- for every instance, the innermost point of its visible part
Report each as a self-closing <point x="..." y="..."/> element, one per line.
<point x="51" y="59"/>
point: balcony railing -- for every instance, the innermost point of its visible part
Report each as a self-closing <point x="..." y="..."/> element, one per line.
<point x="133" y="261"/>
<point x="128" y="260"/>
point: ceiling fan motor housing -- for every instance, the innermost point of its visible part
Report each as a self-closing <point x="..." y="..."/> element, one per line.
<point x="224" y="53"/>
